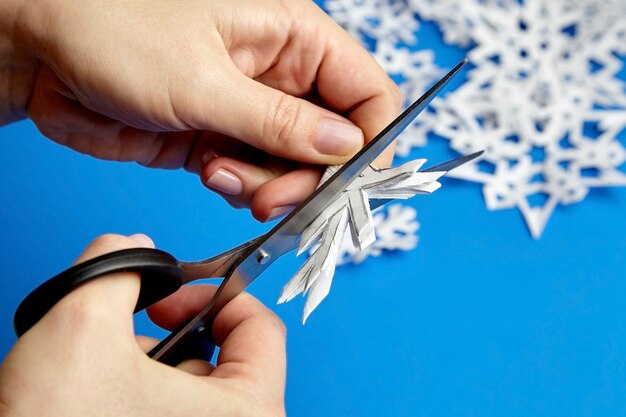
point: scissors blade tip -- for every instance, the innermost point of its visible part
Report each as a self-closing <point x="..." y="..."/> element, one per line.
<point x="454" y="163"/>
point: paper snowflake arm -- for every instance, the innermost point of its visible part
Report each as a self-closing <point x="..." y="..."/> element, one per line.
<point x="351" y="211"/>
<point x="396" y="229"/>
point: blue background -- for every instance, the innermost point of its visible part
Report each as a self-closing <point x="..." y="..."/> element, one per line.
<point x="479" y="320"/>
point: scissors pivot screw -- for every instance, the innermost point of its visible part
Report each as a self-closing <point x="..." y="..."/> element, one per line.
<point x="262" y="257"/>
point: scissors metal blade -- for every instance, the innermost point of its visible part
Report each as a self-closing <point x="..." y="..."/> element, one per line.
<point x="284" y="237"/>
<point x="450" y="165"/>
<point x="443" y="167"/>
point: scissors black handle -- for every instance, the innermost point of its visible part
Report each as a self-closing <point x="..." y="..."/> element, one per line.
<point x="160" y="276"/>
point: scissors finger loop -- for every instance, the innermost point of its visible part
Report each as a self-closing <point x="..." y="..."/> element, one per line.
<point x="159" y="268"/>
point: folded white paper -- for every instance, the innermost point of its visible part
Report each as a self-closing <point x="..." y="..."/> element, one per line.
<point x="348" y="222"/>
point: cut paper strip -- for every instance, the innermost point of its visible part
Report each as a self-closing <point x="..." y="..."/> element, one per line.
<point x="396" y="229"/>
<point x="348" y="221"/>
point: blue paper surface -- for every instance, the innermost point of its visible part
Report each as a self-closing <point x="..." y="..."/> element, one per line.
<point x="479" y="320"/>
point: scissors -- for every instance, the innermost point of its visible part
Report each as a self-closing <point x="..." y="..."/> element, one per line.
<point x="162" y="274"/>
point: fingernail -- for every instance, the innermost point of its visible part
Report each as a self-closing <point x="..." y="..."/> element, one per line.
<point x="279" y="212"/>
<point x="334" y="137"/>
<point x="209" y="155"/>
<point x="142" y="240"/>
<point x="225" y="182"/>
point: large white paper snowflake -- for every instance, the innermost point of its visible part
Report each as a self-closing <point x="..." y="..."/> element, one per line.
<point x="413" y="71"/>
<point x="348" y="220"/>
<point x="542" y="101"/>
<point x="388" y="21"/>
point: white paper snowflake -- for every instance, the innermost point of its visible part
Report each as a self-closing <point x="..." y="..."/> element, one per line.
<point x="542" y="101"/>
<point x="396" y="229"/>
<point x="388" y="21"/>
<point x="348" y="221"/>
<point x="413" y="71"/>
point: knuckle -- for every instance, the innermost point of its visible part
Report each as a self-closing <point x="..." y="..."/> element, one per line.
<point x="74" y="317"/>
<point x="78" y="309"/>
<point x="263" y="313"/>
<point x="281" y="123"/>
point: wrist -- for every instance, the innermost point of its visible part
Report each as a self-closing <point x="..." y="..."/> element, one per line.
<point x="17" y="66"/>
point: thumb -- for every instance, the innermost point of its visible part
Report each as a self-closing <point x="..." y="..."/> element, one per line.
<point x="284" y="125"/>
<point x="104" y="305"/>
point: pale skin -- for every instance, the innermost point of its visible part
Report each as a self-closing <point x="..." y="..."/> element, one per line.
<point x="253" y="96"/>
<point x="82" y="358"/>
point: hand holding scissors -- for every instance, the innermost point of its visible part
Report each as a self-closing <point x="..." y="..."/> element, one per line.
<point x="83" y="358"/>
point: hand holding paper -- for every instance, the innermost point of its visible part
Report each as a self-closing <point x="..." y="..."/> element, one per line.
<point x="239" y="92"/>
